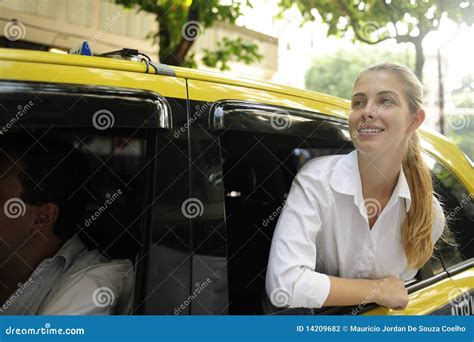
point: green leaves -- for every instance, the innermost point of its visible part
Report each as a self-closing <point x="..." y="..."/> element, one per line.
<point x="231" y="50"/>
<point x="182" y="22"/>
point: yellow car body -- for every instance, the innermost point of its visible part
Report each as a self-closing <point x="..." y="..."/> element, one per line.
<point x="208" y="88"/>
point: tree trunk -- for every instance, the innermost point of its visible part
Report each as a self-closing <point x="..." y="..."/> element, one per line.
<point x="440" y="93"/>
<point x="420" y="58"/>
<point x="177" y="55"/>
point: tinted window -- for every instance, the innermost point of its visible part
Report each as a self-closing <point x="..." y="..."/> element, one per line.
<point x="459" y="211"/>
<point x="258" y="172"/>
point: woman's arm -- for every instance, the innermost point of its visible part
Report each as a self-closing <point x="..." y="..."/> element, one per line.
<point x="291" y="279"/>
<point x="389" y="292"/>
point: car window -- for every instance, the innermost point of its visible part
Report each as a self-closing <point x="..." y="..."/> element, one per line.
<point x="119" y="149"/>
<point x="458" y="205"/>
<point x="258" y="170"/>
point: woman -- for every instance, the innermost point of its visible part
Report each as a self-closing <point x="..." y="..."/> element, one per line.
<point x="355" y="226"/>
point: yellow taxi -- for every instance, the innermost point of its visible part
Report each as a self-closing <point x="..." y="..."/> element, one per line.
<point x="205" y="162"/>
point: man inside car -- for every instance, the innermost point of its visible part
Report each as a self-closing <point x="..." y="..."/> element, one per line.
<point x="45" y="268"/>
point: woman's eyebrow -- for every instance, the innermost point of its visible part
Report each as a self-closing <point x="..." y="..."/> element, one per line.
<point x="358" y="94"/>
<point x="388" y="92"/>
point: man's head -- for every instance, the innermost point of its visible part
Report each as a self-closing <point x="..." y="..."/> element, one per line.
<point x="40" y="190"/>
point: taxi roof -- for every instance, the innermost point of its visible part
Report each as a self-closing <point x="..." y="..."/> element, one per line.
<point x="140" y="67"/>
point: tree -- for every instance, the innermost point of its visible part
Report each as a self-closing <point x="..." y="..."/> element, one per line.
<point x="463" y="95"/>
<point x="182" y="22"/>
<point x="374" y="21"/>
<point x="335" y="74"/>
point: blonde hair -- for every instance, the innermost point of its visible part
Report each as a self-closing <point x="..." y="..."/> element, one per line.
<point x="418" y="223"/>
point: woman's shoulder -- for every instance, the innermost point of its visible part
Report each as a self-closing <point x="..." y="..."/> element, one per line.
<point x="321" y="167"/>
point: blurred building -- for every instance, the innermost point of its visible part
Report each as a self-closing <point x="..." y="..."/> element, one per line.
<point x="59" y="25"/>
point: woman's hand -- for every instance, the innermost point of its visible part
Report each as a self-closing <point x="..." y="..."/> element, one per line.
<point x="391" y="292"/>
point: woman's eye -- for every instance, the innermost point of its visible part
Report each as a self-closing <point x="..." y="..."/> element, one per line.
<point x="387" y="102"/>
<point x="356" y="104"/>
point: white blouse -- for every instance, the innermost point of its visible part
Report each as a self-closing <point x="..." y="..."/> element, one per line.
<point x="323" y="230"/>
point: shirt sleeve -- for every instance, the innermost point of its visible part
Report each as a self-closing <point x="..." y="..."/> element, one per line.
<point x="103" y="289"/>
<point x="439" y="222"/>
<point x="291" y="279"/>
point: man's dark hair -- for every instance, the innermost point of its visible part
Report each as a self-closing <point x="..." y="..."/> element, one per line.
<point x="50" y="171"/>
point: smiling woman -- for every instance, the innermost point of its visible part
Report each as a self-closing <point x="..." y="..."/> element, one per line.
<point x="369" y="219"/>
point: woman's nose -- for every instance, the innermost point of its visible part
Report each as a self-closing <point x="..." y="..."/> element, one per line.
<point x="370" y="112"/>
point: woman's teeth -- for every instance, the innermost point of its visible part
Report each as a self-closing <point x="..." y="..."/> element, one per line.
<point x="371" y="130"/>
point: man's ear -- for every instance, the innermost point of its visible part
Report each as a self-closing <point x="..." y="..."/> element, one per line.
<point x="417" y="120"/>
<point x="45" y="217"/>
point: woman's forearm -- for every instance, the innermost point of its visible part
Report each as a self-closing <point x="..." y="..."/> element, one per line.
<point x="389" y="292"/>
<point x="352" y="291"/>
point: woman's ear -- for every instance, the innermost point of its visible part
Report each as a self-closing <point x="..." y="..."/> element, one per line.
<point x="417" y="120"/>
<point x="45" y="217"/>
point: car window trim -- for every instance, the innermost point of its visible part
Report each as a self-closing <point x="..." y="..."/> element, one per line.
<point x="161" y="112"/>
<point x="460" y="267"/>
<point x="223" y="116"/>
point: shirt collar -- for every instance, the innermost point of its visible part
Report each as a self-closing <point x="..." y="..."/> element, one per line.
<point x="345" y="179"/>
<point x="69" y="251"/>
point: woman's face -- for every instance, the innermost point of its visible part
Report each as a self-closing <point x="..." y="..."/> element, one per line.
<point x="380" y="118"/>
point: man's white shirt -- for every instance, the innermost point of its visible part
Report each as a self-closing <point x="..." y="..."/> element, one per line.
<point x="75" y="281"/>
<point x="323" y="230"/>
